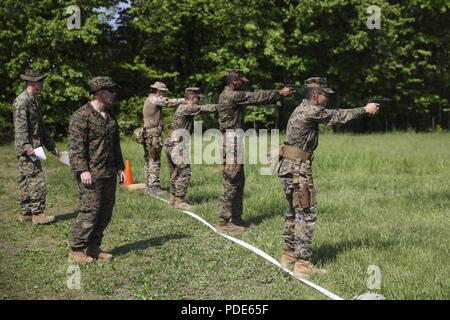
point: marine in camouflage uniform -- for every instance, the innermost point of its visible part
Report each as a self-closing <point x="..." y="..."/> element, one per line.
<point x="30" y="133"/>
<point x="94" y="148"/>
<point x="153" y="128"/>
<point x="177" y="148"/>
<point x="294" y="170"/>
<point x="232" y="101"/>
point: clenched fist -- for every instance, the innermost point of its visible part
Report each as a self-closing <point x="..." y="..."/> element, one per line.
<point x="86" y="178"/>
<point x="30" y="152"/>
<point x="122" y="176"/>
<point x="286" y="91"/>
<point x="372" y="108"/>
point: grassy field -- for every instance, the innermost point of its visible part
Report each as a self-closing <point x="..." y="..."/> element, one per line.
<point x="383" y="200"/>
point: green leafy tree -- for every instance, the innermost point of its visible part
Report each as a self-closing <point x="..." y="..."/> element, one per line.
<point x="193" y="42"/>
<point x="36" y="35"/>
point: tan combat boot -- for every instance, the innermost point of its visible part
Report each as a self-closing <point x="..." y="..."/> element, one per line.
<point x="303" y="269"/>
<point x="78" y="256"/>
<point x="25" y="218"/>
<point x="179" y="203"/>
<point x="172" y="200"/>
<point x="96" y="253"/>
<point x="225" y="226"/>
<point x="288" y="259"/>
<point x="42" y="219"/>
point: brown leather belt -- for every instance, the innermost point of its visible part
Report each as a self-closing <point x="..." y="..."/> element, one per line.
<point x="293" y="153"/>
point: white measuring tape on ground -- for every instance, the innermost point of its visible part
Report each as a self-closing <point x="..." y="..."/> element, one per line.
<point x="259" y="252"/>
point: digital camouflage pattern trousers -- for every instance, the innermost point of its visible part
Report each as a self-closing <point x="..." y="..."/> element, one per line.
<point x="152" y="158"/>
<point x="300" y="216"/>
<point x="31" y="187"/>
<point x="231" y="198"/>
<point x="233" y="182"/>
<point x="95" y="209"/>
<point x="179" y="170"/>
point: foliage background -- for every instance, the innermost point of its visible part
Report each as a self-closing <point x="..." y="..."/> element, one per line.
<point x="194" y="42"/>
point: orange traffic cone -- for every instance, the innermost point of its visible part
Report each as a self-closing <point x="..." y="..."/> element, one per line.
<point x="128" y="174"/>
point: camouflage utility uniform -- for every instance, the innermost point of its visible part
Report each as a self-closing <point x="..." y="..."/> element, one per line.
<point x="177" y="149"/>
<point x="153" y="127"/>
<point x="231" y="119"/>
<point x="30" y="133"/>
<point x="295" y="171"/>
<point x="94" y="146"/>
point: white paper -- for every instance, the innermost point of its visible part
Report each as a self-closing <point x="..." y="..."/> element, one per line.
<point x="39" y="154"/>
<point x="64" y="157"/>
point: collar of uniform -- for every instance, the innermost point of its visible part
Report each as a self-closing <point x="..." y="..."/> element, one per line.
<point x="96" y="113"/>
<point x="227" y="88"/>
<point x="306" y="103"/>
<point x="32" y="99"/>
<point x="25" y="92"/>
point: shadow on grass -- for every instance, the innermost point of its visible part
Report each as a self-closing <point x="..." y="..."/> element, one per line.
<point x="66" y="216"/>
<point x="329" y="252"/>
<point x="264" y="212"/>
<point x="263" y="216"/>
<point x="144" y="244"/>
<point x="201" y="198"/>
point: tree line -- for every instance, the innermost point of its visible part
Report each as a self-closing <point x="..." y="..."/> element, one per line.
<point x="193" y="42"/>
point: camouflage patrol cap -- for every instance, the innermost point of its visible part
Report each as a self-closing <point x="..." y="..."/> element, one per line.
<point x="236" y="74"/>
<point x="192" y="90"/>
<point x="318" y="82"/>
<point x="32" y="75"/>
<point x="103" y="82"/>
<point x="158" y="85"/>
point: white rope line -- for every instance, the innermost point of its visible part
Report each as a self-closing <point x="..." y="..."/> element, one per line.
<point x="259" y="252"/>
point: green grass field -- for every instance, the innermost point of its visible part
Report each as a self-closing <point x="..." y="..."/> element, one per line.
<point x="383" y="200"/>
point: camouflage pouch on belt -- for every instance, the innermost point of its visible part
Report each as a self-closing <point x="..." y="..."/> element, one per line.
<point x="301" y="197"/>
<point x="304" y="196"/>
<point x="138" y="135"/>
